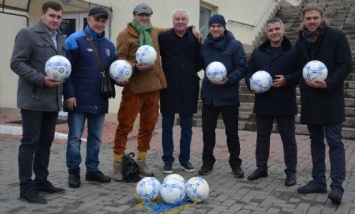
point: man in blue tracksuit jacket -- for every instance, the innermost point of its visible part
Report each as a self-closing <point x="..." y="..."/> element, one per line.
<point x="82" y="96"/>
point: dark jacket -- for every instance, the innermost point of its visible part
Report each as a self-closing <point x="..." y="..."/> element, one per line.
<point x="230" y="52"/>
<point x="84" y="80"/>
<point x="275" y="101"/>
<point x="180" y="60"/>
<point x="325" y="106"/>
<point x="33" y="47"/>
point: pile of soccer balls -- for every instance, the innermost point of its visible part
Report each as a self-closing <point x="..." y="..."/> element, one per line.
<point x="173" y="189"/>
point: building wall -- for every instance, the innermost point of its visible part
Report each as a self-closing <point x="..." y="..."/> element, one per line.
<point x="121" y="13"/>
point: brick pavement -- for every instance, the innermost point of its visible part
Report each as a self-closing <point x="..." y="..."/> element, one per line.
<point x="227" y="195"/>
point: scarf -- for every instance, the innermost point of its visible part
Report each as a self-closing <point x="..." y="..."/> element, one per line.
<point x="144" y="33"/>
<point x="312" y="38"/>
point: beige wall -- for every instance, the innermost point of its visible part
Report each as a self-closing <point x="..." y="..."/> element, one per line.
<point x="238" y="10"/>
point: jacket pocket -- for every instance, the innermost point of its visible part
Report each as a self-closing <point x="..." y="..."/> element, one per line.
<point x="36" y="91"/>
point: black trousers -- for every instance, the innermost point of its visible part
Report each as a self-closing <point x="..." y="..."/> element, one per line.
<point x="209" y="122"/>
<point x="34" y="151"/>
<point x="286" y="128"/>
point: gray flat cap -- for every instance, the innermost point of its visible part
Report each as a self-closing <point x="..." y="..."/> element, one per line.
<point x="143" y="8"/>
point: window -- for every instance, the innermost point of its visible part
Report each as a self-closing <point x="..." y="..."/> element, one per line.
<point x="205" y="15"/>
<point x="73" y="22"/>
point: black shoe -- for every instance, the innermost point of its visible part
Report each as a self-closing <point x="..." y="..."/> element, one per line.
<point x="312" y="187"/>
<point x="238" y="172"/>
<point x="32" y="196"/>
<point x="336" y="195"/>
<point x="97" y="176"/>
<point x="205" y="170"/>
<point x="258" y="173"/>
<point x="290" y="179"/>
<point x="187" y="167"/>
<point x="74" y="180"/>
<point x="48" y="187"/>
<point x="168" y="168"/>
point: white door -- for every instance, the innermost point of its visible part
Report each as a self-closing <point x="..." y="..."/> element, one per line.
<point x="73" y="22"/>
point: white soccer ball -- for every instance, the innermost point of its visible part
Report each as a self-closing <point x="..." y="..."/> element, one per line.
<point x="58" y="67"/>
<point x="120" y="70"/>
<point x="197" y="189"/>
<point x="172" y="191"/>
<point x="260" y="81"/>
<point x="175" y="176"/>
<point x="216" y="71"/>
<point x="315" y="70"/>
<point x="146" y="55"/>
<point x="148" y="189"/>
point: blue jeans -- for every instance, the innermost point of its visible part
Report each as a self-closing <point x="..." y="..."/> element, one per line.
<point x="76" y="122"/>
<point x="38" y="134"/>
<point x="185" y="140"/>
<point x="336" y="154"/>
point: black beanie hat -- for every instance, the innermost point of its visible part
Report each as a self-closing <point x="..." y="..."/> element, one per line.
<point x="217" y="18"/>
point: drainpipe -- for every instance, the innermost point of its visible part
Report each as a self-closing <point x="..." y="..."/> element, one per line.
<point x="66" y="2"/>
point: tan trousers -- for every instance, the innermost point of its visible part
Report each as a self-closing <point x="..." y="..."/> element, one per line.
<point x="147" y="105"/>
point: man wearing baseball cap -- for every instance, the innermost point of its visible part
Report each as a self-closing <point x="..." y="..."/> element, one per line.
<point x="82" y="96"/>
<point x="141" y="93"/>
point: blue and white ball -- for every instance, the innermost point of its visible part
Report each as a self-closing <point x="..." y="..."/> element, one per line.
<point x="172" y="191"/>
<point x="58" y="67"/>
<point x="197" y="189"/>
<point x="120" y="70"/>
<point x="148" y="189"/>
<point x="146" y="55"/>
<point x="175" y="176"/>
<point x="216" y="71"/>
<point x="315" y="70"/>
<point x="260" y="81"/>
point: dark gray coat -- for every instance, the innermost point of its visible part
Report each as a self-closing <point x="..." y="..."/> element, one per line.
<point x="325" y="106"/>
<point x="180" y="66"/>
<point x="275" y="101"/>
<point x="33" y="47"/>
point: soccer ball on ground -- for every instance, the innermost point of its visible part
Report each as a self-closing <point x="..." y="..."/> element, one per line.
<point x="315" y="70"/>
<point x="172" y="191"/>
<point x="197" y="189"/>
<point x="58" y="67"/>
<point x="120" y="70"/>
<point x="148" y="189"/>
<point x="175" y="176"/>
<point x="216" y="71"/>
<point x="260" y="81"/>
<point x="146" y="55"/>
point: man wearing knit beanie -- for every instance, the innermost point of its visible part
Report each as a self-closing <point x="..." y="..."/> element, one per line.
<point x="222" y="97"/>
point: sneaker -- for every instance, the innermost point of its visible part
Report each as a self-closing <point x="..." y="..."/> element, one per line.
<point x="336" y="195"/>
<point x="168" y="168"/>
<point x="187" y="167"/>
<point x="143" y="169"/>
<point x="238" y="172"/>
<point x="117" y="172"/>
<point x="48" y="187"/>
<point x="205" y="170"/>
<point x="32" y="196"/>
<point x="312" y="187"/>
<point x="258" y="173"/>
<point x="97" y="176"/>
<point x="74" y="180"/>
